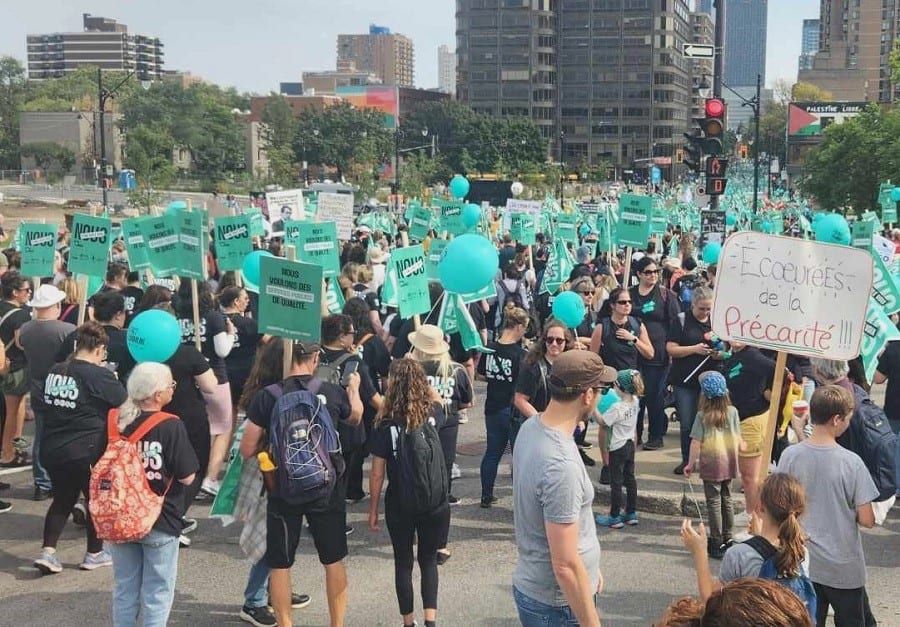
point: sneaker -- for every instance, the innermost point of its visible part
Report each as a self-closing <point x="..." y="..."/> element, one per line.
<point x="604" y="475"/>
<point x="630" y="519"/>
<point x="5" y="507"/>
<point x="298" y="601"/>
<point x="259" y="616"/>
<point x="653" y="445"/>
<point x="463" y="416"/>
<point x="587" y="459"/>
<point x="93" y="561"/>
<point x="488" y="502"/>
<point x="348" y="529"/>
<point x="613" y="522"/>
<point x="455" y="472"/>
<point x="79" y="515"/>
<point x="679" y="469"/>
<point x="188" y="525"/>
<point x="452" y="500"/>
<point x="40" y="494"/>
<point x="353" y="500"/>
<point x="442" y="556"/>
<point x="183" y="541"/>
<point x="210" y="486"/>
<point x="48" y="563"/>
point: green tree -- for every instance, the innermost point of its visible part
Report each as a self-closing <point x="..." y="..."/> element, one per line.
<point x="148" y="151"/>
<point x="13" y="92"/>
<point x="279" y="121"/>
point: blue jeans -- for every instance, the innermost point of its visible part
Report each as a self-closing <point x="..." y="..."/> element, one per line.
<point x="653" y="399"/>
<point x="686" y="402"/>
<point x="256" y="592"/>
<point x="533" y="613"/>
<point x="144" y="580"/>
<point x="41" y="477"/>
<point x="499" y="433"/>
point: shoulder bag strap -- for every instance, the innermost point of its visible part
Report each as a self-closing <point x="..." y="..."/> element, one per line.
<point x="149" y="424"/>
<point x="66" y="313"/>
<point x="112" y="426"/>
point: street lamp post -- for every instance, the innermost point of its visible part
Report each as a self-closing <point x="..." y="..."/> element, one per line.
<point x="562" y="168"/>
<point x="102" y="96"/>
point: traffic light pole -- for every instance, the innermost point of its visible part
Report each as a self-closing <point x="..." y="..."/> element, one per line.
<point x="756" y="108"/>
<point x="718" y="66"/>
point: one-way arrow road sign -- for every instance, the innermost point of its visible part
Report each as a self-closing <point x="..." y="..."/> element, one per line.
<point x="699" y="51"/>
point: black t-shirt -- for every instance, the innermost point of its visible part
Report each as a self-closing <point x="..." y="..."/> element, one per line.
<point x="501" y="368"/>
<point x="168" y="457"/>
<point x="617" y="353"/>
<point x="132" y="296"/>
<point x="187" y="400"/>
<point x="361" y="290"/>
<point x="103" y="288"/>
<point x="211" y="324"/>
<point x="378" y="359"/>
<point x="532" y="382"/>
<point x="749" y="374"/>
<point x="382" y="444"/>
<point x="78" y="396"/>
<point x="455" y="389"/>
<point x="116" y="352"/>
<point x="889" y="366"/>
<point x="259" y="412"/>
<point x="240" y="359"/>
<point x="69" y="313"/>
<point x="692" y="333"/>
<point x="353" y="437"/>
<point x="8" y="328"/>
<point x="658" y="314"/>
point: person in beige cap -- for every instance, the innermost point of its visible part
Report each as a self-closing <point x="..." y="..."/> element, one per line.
<point x="557" y="571"/>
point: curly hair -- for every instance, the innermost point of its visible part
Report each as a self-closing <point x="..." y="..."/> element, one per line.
<point x="407" y="400"/>
<point x="539" y="349"/>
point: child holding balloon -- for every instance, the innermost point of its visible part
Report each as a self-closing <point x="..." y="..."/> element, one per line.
<point x="618" y="426"/>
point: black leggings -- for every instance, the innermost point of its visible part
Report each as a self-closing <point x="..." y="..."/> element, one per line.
<point x="69" y="482"/>
<point x="198" y="436"/>
<point x="403" y="529"/>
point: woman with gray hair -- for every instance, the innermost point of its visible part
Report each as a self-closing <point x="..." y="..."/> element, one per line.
<point x="144" y="571"/>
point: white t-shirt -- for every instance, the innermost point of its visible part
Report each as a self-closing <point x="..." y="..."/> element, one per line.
<point x="621" y="419"/>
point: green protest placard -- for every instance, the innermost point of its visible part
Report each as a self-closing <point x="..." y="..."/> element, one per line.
<point x="191" y="245"/>
<point x="257" y="221"/>
<point x="161" y="238"/>
<point x="878" y="330"/>
<point x="317" y="243"/>
<point x="566" y="227"/>
<point x="888" y="206"/>
<point x="412" y="281"/>
<point x="488" y="291"/>
<point x="135" y="245"/>
<point x="334" y="297"/>
<point x="89" y="247"/>
<point x="290" y="299"/>
<point x="861" y="234"/>
<point x="435" y="250"/>
<point x="885" y="290"/>
<point x="292" y="231"/>
<point x="420" y="223"/>
<point x="521" y="228"/>
<point x="38" y="247"/>
<point x="233" y="241"/>
<point x="451" y="216"/>
<point x="635" y="220"/>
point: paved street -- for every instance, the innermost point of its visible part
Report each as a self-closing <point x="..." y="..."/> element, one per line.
<point x="644" y="567"/>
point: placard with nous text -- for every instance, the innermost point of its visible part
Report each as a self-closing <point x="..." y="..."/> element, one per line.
<point x="38" y="246"/>
<point x="89" y="246"/>
<point x="233" y="242"/>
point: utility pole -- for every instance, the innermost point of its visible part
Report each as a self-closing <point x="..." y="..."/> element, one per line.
<point x="756" y="107"/>
<point x="718" y="67"/>
<point x="101" y="99"/>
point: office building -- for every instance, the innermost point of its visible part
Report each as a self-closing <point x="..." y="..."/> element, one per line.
<point x="702" y="32"/>
<point x="447" y="70"/>
<point x="346" y="75"/>
<point x="389" y="56"/>
<point x="745" y="42"/>
<point x="290" y="89"/>
<point x="603" y="84"/>
<point x="705" y="6"/>
<point x="854" y="45"/>
<point x="809" y="44"/>
<point x="103" y="43"/>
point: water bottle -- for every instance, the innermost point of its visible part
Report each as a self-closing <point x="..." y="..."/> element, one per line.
<point x="268" y="471"/>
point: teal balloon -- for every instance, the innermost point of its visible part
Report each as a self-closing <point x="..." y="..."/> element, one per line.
<point x="176" y="206"/>
<point x="471" y="215"/>
<point x="250" y="267"/>
<point x="459" y="187"/>
<point x="568" y="308"/>
<point x="153" y="335"/>
<point x="468" y="263"/>
<point x="607" y="400"/>
<point x="730" y="219"/>
<point x="895" y="194"/>
<point x="584" y="230"/>
<point x="832" y="228"/>
<point x="711" y="252"/>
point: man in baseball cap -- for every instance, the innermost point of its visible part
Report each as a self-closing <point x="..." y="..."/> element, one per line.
<point x="552" y="494"/>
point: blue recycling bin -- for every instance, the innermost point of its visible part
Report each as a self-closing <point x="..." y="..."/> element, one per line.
<point x="127" y="182"/>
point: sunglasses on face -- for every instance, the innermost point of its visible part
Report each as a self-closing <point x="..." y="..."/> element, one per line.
<point x="585" y="293"/>
<point x="651" y="272"/>
<point x="623" y="302"/>
<point x="555" y="340"/>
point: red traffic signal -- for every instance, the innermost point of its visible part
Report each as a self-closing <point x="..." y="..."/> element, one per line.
<point x="715" y="108"/>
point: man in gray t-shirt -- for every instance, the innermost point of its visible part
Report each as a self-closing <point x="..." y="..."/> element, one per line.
<point x="557" y="570"/>
<point x="839" y="495"/>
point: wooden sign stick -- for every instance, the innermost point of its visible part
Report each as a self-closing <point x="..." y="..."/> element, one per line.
<point x="772" y="422"/>
<point x="290" y="253"/>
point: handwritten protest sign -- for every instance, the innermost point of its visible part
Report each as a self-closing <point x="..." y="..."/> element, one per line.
<point x="233" y="243"/>
<point x="135" y="245"/>
<point x="285" y="205"/>
<point x="316" y="243"/>
<point x="802" y="297"/>
<point x="712" y="227"/>
<point x="89" y="248"/>
<point x="337" y="208"/>
<point x="290" y="299"/>
<point x="38" y="247"/>
<point x="635" y="215"/>
<point x="412" y="281"/>
<point x="161" y="237"/>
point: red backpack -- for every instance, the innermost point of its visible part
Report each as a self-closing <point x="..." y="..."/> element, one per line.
<point x="123" y="506"/>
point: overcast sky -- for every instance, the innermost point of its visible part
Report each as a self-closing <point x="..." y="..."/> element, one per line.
<point x="256" y="44"/>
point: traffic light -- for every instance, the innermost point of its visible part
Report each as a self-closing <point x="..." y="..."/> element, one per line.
<point x="713" y="126"/>
<point x="693" y="151"/>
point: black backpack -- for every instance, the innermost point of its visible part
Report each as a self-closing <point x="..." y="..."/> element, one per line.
<point x="513" y="296"/>
<point x="421" y="475"/>
<point x="872" y="439"/>
<point x="684" y="288"/>
<point x="800" y="584"/>
<point x="607" y="332"/>
<point x="331" y="371"/>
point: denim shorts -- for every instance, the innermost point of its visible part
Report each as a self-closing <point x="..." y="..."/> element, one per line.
<point x="534" y="613"/>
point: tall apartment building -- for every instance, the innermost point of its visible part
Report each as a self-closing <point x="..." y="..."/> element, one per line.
<point x="745" y="42"/>
<point x="446" y="70"/>
<point x="601" y="83"/>
<point x="705" y="6"/>
<point x="389" y="56"/>
<point x="809" y="44"/>
<point x="854" y="45"/>
<point x="703" y="31"/>
<point x="103" y="43"/>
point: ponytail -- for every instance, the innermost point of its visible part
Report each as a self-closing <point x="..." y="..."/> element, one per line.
<point x="792" y="547"/>
<point x="784" y="501"/>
